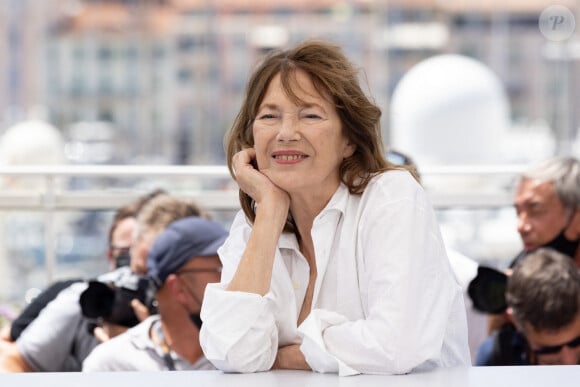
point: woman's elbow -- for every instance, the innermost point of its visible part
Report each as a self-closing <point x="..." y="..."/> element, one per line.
<point x="241" y="363"/>
<point x="244" y="356"/>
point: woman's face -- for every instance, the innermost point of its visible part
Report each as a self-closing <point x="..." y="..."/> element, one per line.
<point x="300" y="147"/>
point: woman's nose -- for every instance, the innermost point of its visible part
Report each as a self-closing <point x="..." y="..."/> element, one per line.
<point x="288" y="130"/>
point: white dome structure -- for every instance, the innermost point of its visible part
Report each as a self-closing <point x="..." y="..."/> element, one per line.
<point x="32" y="143"/>
<point x="450" y="109"/>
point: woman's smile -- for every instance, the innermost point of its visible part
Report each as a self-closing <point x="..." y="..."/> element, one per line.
<point x="289" y="157"/>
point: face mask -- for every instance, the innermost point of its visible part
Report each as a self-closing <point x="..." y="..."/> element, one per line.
<point x="196" y="320"/>
<point x="194" y="317"/>
<point x="563" y="245"/>
<point x="123" y="259"/>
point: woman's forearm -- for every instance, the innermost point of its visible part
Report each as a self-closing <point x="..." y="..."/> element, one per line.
<point x="254" y="272"/>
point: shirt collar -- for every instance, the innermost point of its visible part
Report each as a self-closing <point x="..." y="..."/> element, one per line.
<point x="337" y="203"/>
<point x="140" y="335"/>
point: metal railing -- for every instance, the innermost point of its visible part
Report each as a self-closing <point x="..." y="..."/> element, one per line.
<point x="52" y="198"/>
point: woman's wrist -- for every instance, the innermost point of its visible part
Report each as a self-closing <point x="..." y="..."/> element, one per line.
<point x="290" y="358"/>
<point x="273" y="210"/>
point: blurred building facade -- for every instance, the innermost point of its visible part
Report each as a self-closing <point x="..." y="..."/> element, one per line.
<point x="169" y="74"/>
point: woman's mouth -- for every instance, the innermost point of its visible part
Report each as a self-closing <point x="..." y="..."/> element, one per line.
<point x="289" y="157"/>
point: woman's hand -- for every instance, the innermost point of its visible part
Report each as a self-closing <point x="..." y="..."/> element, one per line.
<point x="253" y="182"/>
<point x="290" y="358"/>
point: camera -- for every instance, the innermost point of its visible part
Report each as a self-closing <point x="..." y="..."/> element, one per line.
<point x="111" y="301"/>
<point x="487" y="290"/>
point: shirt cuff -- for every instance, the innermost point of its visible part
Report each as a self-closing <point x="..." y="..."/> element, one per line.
<point x="232" y="323"/>
<point x="313" y="346"/>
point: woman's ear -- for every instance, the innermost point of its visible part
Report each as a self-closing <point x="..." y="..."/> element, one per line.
<point x="348" y="150"/>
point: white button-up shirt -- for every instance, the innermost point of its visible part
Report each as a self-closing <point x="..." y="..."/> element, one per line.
<point x="385" y="299"/>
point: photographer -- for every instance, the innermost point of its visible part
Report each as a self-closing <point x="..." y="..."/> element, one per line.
<point x="547" y="203"/>
<point x="36" y="348"/>
<point x="119" y="240"/>
<point x="59" y="339"/>
<point x="181" y="262"/>
<point x="543" y="305"/>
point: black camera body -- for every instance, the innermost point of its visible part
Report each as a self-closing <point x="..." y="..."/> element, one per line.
<point x="487" y="290"/>
<point x="111" y="301"/>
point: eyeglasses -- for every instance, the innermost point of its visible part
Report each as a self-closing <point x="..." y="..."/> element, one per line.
<point x="553" y="349"/>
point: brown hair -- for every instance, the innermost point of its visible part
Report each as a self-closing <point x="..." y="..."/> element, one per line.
<point x="131" y="210"/>
<point x="162" y="210"/>
<point x="544" y="290"/>
<point x="333" y="76"/>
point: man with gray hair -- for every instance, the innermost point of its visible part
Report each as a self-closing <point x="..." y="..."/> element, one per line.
<point x="547" y="203"/>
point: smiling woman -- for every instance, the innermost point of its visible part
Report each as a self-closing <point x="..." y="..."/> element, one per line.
<point x="335" y="262"/>
<point x="299" y="146"/>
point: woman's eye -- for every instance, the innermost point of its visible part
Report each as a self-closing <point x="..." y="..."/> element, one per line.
<point x="312" y="116"/>
<point x="266" y="116"/>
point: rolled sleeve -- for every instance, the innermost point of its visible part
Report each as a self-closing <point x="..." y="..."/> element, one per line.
<point x="314" y="347"/>
<point x="239" y="332"/>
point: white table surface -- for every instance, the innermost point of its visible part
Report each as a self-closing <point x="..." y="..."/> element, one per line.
<point x="546" y="376"/>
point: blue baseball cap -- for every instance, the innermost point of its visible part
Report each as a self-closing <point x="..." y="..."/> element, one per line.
<point x="179" y="242"/>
